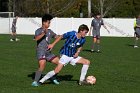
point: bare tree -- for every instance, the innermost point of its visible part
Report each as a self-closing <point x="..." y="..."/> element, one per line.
<point x="104" y="6"/>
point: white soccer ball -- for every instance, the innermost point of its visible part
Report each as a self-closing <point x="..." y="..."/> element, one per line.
<point x="91" y="79"/>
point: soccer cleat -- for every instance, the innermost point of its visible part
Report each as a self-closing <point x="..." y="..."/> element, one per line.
<point x="35" y="84"/>
<point x="83" y="83"/>
<point x="11" y="40"/>
<point x="92" y="50"/>
<point x="56" y="82"/>
<point x="17" y="39"/>
<point x="98" y="51"/>
<point x="136" y="47"/>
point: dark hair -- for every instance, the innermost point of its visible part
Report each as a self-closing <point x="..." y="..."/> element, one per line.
<point x="83" y="27"/>
<point x="98" y="14"/>
<point x="47" y="17"/>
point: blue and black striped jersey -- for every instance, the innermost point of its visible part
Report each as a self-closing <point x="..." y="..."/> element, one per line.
<point x="71" y="44"/>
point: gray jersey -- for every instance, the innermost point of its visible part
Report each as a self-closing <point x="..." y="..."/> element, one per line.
<point x="42" y="51"/>
<point x="45" y="40"/>
<point x="138" y="28"/>
<point x="14" y="25"/>
<point x="96" y="23"/>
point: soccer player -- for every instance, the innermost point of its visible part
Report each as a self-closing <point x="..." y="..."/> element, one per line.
<point x="137" y="31"/>
<point x="43" y="36"/>
<point x="13" y="34"/>
<point x="95" y="28"/>
<point x="70" y="53"/>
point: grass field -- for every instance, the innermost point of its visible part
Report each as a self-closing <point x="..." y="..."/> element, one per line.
<point x="117" y="68"/>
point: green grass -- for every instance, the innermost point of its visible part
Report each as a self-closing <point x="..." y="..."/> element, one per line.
<point x="117" y="68"/>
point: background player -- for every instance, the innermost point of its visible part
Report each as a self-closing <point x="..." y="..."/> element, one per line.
<point x="43" y="36"/>
<point x="70" y="53"/>
<point x="13" y="34"/>
<point x="137" y="31"/>
<point x="95" y="28"/>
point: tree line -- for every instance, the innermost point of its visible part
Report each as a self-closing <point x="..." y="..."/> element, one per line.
<point x="71" y="8"/>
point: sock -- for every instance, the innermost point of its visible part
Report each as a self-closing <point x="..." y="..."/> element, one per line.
<point x="83" y="72"/>
<point x="47" y="76"/>
<point x="98" y="46"/>
<point x="53" y="77"/>
<point x="136" y="41"/>
<point x="37" y="75"/>
<point x="93" y="45"/>
<point x="13" y="37"/>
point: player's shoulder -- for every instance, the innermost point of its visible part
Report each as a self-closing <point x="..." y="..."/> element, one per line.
<point x="39" y="29"/>
<point x="50" y="30"/>
<point x="73" y="32"/>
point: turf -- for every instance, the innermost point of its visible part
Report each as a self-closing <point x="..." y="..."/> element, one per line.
<point x="117" y="67"/>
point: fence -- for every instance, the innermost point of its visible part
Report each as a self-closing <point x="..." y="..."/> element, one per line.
<point x="117" y="26"/>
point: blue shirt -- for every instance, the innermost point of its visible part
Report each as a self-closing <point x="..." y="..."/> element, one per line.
<point x="71" y="44"/>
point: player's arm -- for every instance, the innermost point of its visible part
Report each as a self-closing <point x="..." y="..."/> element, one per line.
<point x="106" y="28"/>
<point x="58" y="38"/>
<point x="38" y="37"/>
<point x="78" y="51"/>
<point x="137" y="25"/>
<point x="90" y="30"/>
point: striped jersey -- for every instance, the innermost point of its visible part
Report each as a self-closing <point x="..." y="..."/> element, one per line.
<point x="71" y="44"/>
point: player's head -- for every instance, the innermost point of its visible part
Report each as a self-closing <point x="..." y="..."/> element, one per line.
<point x="98" y="15"/>
<point x="16" y="17"/>
<point x="46" y="20"/>
<point x="83" y="30"/>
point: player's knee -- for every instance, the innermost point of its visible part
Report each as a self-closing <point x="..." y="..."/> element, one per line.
<point x="87" y="62"/>
<point x="56" y="71"/>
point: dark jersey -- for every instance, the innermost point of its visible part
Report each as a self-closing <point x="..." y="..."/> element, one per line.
<point x="71" y="44"/>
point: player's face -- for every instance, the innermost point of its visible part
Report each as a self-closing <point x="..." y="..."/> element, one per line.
<point x="46" y="24"/>
<point x="83" y="33"/>
<point x="98" y="16"/>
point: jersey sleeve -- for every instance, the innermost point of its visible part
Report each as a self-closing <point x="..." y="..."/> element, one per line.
<point x="53" y="35"/>
<point x="102" y="22"/>
<point x="92" y="23"/>
<point x="38" y="32"/>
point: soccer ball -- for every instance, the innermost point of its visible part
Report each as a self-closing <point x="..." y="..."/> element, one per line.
<point x="91" y="80"/>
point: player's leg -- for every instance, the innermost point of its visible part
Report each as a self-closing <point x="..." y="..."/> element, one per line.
<point x="42" y="64"/>
<point x="13" y="36"/>
<point x="94" y="40"/>
<point x="86" y="63"/>
<point x="63" y="60"/>
<point x="55" y="60"/>
<point x="98" y="44"/>
<point x="98" y="41"/>
<point x="93" y="44"/>
<point x="136" y="40"/>
<point x="52" y="73"/>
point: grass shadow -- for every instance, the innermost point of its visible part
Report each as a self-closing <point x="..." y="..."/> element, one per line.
<point x="58" y="77"/>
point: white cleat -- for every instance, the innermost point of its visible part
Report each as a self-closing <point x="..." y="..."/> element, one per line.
<point x="11" y="40"/>
<point x="17" y="39"/>
<point x="136" y="47"/>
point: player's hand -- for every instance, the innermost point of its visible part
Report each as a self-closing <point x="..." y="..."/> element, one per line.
<point x="45" y="31"/>
<point x="76" y="55"/>
<point x="50" y="47"/>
